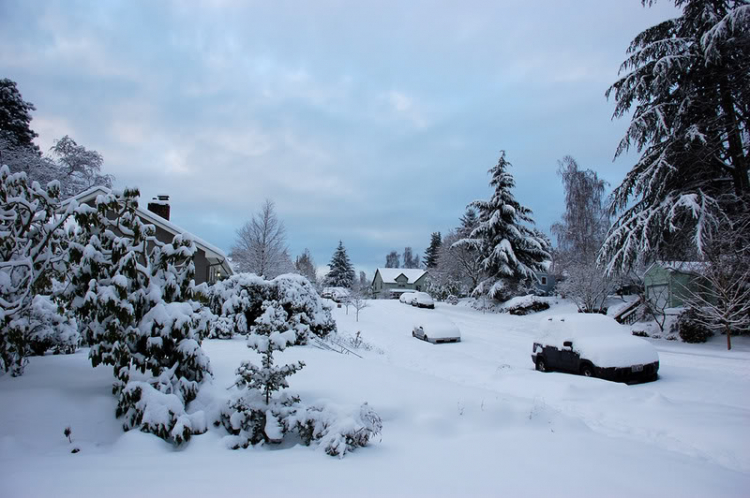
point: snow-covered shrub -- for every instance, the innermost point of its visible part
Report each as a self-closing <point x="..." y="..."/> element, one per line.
<point x="689" y="329"/>
<point x="50" y="328"/>
<point x="238" y="301"/>
<point x="146" y="408"/>
<point x="525" y="305"/>
<point x="452" y="299"/>
<point x="138" y="300"/>
<point x="335" y="432"/>
<point x="31" y="248"/>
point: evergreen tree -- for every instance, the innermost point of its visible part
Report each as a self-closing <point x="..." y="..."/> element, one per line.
<point x="689" y="81"/>
<point x="342" y="271"/>
<point x="305" y="265"/>
<point x="469" y="221"/>
<point x="433" y="251"/>
<point x="393" y="260"/>
<point x="511" y="251"/>
<point x="15" y="117"/>
<point x="139" y="301"/>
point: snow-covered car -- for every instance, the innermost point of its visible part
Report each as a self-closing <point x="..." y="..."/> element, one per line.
<point x="594" y="346"/>
<point x="423" y="300"/>
<point x="406" y="297"/>
<point x="436" y="331"/>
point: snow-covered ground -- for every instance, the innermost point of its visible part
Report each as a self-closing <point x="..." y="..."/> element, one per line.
<point x="464" y="419"/>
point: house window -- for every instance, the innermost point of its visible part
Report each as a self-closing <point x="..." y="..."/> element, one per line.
<point x="419" y="287"/>
<point x="544" y="280"/>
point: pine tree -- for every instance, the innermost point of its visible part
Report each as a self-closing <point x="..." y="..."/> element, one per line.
<point x="15" y="117"/>
<point x="511" y="251"/>
<point x="342" y="271"/>
<point x="689" y="81"/>
<point x="433" y="251"/>
<point x="468" y="221"/>
<point x="305" y="265"/>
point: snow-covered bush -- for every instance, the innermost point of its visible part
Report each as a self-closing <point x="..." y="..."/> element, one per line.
<point x="338" y="433"/>
<point x="31" y="249"/>
<point x="238" y="301"/>
<point x="690" y="329"/>
<point x="525" y="305"/>
<point x="138" y="301"/>
<point x="50" y="328"/>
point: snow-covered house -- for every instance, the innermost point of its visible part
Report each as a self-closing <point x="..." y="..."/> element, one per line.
<point x="211" y="264"/>
<point x="392" y="282"/>
<point x="670" y="284"/>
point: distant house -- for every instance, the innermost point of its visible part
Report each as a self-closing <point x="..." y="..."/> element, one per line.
<point x="670" y="284"/>
<point x="211" y="263"/>
<point x="545" y="282"/>
<point x="392" y="282"/>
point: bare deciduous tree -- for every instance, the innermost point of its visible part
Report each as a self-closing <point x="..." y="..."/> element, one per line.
<point x="260" y="246"/>
<point x="722" y="297"/>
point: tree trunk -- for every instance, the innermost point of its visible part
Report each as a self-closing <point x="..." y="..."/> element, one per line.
<point x="736" y="150"/>
<point x="729" y="338"/>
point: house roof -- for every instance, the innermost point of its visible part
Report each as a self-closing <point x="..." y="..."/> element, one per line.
<point x="389" y="275"/>
<point x="694" y="267"/>
<point x="212" y="252"/>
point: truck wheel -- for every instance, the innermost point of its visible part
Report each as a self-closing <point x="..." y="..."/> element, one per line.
<point x="587" y="370"/>
<point x="541" y="365"/>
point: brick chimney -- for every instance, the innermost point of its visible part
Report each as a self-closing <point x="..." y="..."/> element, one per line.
<point x="160" y="205"/>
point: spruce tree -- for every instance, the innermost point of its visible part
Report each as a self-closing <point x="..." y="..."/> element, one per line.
<point x="687" y="87"/>
<point x="433" y="251"/>
<point x="511" y="251"/>
<point x="342" y="271"/>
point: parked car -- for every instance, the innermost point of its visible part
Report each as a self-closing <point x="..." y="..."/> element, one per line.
<point x="423" y="300"/>
<point x="594" y="346"/>
<point x="406" y="297"/>
<point x="437" y="331"/>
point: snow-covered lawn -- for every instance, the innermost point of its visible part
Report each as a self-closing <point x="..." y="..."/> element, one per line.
<point x="463" y="419"/>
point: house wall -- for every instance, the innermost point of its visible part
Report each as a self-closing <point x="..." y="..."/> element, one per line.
<point x="670" y="288"/>
<point x="381" y="288"/>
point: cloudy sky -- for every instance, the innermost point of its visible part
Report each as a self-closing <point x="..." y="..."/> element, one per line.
<point x="373" y="122"/>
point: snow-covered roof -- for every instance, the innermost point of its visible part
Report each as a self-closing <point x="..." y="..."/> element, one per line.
<point x="696" y="267"/>
<point x="389" y="275"/>
<point x="212" y="252"/>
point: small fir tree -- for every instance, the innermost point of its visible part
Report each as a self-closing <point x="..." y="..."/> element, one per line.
<point x="342" y="271"/>
<point x="433" y="251"/>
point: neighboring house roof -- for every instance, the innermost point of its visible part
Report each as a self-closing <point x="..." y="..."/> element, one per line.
<point x="693" y="267"/>
<point x="389" y="275"/>
<point x="211" y="251"/>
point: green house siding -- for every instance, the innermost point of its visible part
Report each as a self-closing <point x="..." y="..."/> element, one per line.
<point x="671" y="288"/>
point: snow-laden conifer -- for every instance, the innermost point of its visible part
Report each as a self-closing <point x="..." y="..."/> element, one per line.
<point x="342" y="271"/>
<point x="687" y="83"/>
<point x="511" y="251"/>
